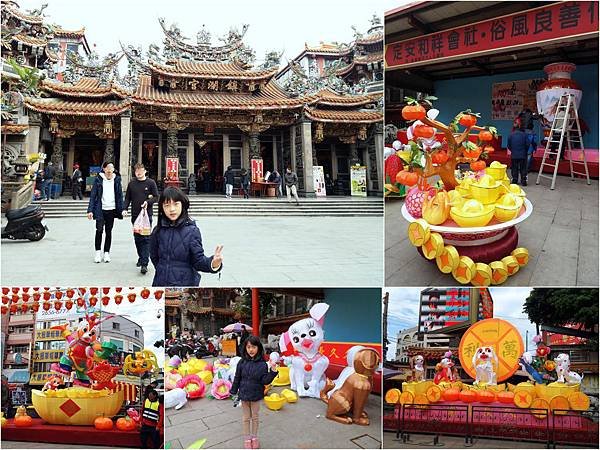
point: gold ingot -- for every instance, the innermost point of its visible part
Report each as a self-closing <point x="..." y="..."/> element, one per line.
<point x="448" y="260"/>
<point x="499" y="272"/>
<point x="482" y="275"/>
<point x="522" y="255"/>
<point x="418" y="232"/>
<point x="434" y="246"/>
<point x="464" y="271"/>
<point x="511" y="263"/>
<point x="49" y="408"/>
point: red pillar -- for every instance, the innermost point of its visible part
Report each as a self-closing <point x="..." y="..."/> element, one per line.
<point x="255" y="312"/>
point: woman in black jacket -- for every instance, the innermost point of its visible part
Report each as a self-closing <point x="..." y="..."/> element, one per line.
<point x="251" y="376"/>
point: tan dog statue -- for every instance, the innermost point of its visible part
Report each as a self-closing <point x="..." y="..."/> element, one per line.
<point x="350" y="392"/>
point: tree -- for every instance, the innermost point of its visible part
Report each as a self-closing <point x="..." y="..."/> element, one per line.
<point x="243" y="309"/>
<point x="559" y="307"/>
<point x="30" y="78"/>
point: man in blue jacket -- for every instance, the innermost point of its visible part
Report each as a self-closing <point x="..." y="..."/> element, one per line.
<point x="518" y="144"/>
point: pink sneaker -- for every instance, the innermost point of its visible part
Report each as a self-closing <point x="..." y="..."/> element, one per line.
<point x="248" y="443"/>
<point x="255" y="443"/>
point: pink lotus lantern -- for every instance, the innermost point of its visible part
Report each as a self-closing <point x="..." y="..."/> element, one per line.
<point x="221" y="389"/>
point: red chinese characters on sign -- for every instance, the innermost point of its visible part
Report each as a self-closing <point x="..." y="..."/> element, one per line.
<point x="257" y="170"/>
<point x="559" y="20"/>
<point x="337" y="352"/>
<point x="173" y="169"/>
<point x="564" y="339"/>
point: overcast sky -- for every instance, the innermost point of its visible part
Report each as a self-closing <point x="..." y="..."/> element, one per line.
<point x="404" y="304"/>
<point x="274" y="25"/>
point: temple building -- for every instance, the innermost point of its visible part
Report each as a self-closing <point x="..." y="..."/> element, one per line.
<point x="207" y="106"/>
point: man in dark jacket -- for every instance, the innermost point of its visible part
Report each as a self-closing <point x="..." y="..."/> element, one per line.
<point x="49" y="173"/>
<point x="106" y="205"/>
<point x="291" y="182"/>
<point x="518" y="144"/>
<point x="76" y="180"/>
<point x="229" y="177"/>
<point x="141" y="193"/>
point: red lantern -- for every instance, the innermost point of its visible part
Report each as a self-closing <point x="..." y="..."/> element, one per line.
<point x="35" y="307"/>
<point x="15" y="298"/>
<point x="46" y="289"/>
<point x="36" y="296"/>
<point x="105" y="300"/>
<point x="145" y="293"/>
<point x="15" y="290"/>
<point x="93" y="290"/>
<point x="5" y="299"/>
<point x="93" y="300"/>
<point x="36" y="289"/>
<point x="70" y="293"/>
<point x="105" y="290"/>
<point x="118" y="299"/>
<point x="25" y="289"/>
<point x="158" y="294"/>
<point x="69" y="304"/>
<point x="13" y="308"/>
<point x="26" y="297"/>
<point x="5" y="290"/>
<point x="82" y="290"/>
<point x="47" y="295"/>
<point x="46" y="306"/>
<point x="57" y="306"/>
<point x="24" y="307"/>
<point x="4" y="309"/>
<point x="118" y="289"/>
<point x="131" y="297"/>
<point x="80" y="302"/>
<point x="58" y="295"/>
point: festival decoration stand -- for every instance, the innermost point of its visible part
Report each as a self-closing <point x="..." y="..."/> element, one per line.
<point x="491" y="351"/>
<point x="466" y="220"/>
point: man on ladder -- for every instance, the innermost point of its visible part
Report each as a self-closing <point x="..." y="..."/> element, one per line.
<point x="565" y="129"/>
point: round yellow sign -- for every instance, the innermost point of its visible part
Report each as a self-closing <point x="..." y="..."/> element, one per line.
<point x="502" y="337"/>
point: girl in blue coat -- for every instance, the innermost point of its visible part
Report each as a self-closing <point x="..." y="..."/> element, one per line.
<point x="176" y="244"/>
<point x="251" y="376"/>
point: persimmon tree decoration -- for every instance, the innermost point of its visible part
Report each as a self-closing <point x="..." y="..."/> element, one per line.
<point x="455" y="148"/>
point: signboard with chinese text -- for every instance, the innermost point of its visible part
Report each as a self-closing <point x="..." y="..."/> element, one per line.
<point x="554" y="22"/>
<point x="337" y="352"/>
<point x="358" y="181"/>
<point x="172" y="168"/>
<point x="319" y="181"/>
<point x="510" y="97"/>
<point x="563" y="339"/>
<point x="257" y="170"/>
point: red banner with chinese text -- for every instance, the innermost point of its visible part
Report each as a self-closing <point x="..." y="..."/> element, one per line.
<point x="173" y="168"/>
<point x="257" y="170"/>
<point x="337" y="352"/>
<point x="552" y="22"/>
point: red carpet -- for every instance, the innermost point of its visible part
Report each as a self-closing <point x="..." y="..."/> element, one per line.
<point x="40" y="431"/>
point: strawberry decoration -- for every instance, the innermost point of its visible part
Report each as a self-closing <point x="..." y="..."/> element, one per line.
<point x="393" y="165"/>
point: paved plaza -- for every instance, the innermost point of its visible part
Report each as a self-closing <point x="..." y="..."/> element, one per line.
<point x="296" y="425"/>
<point x="258" y="251"/>
<point x="30" y="445"/>
<point x="561" y="236"/>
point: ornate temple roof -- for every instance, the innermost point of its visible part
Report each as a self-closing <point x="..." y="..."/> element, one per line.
<point x="327" y="97"/>
<point x="12" y="9"/>
<point x="62" y="33"/>
<point x="342" y="115"/>
<point x="58" y="106"/>
<point x="210" y="70"/>
<point x="14" y="128"/>
<point x="360" y="60"/>
<point x="86" y="87"/>
<point x="271" y="97"/>
<point x="30" y="40"/>
<point x="325" y="48"/>
<point x="371" y="38"/>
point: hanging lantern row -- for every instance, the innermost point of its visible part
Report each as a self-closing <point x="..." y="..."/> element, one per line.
<point x="26" y="301"/>
<point x="72" y="292"/>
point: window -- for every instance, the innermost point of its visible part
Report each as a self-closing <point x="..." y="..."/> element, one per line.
<point x="136" y="333"/>
<point x="57" y="345"/>
<point x="73" y="48"/>
<point x="116" y="326"/>
<point x="118" y="343"/>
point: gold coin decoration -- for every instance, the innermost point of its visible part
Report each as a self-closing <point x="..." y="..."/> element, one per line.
<point x="448" y="260"/>
<point x="434" y="246"/>
<point x="521" y="254"/>
<point x="499" y="272"/>
<point x="464" y="271"/>
<point x="511" y="263"/>
<point x="540" y="403"/>
<point x="482" y="275"/>
<point x="418" y="232"/>
<point x="523" y="399"/>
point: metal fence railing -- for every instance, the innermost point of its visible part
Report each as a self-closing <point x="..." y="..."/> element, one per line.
<point x="434" y="419"/>
<point x="575" y="428"/>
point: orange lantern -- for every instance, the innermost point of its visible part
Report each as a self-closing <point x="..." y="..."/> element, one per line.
<point x="467" y="396"/>
<point x="486" y="397"/>
<point x="505" y="397"/>
<point x="451" y="394"/>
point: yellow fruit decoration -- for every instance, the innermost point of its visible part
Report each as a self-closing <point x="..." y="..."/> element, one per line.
<point x="559" y="404"/>
<point x="434" y="394"/>
<point x="434" y="246"/>
<point x="392" y="396"/>
<point x="511" y="263"/>
<point x="578" y="401"/>
<point x="540" y="404"/>
<point x="448" y="260"/>
<point x="499" y="272"/>
<point x="418" y="232"/>
<point x="482" y="275"/>
<point x="521" y="254"/>
<point x="407" y="397"/>
<point x="464" y="271"/>
<point x="523" y="399"/>
<point x="436" y="208"/>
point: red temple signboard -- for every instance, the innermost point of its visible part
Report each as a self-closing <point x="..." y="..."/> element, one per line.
<point x="524" y="29"/>
<point x="337" y="352"/>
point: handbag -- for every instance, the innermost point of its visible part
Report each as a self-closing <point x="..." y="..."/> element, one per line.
<point x="142" y="225"/>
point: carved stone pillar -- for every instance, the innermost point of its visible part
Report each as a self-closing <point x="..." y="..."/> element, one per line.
<point x="57" y="153"/>
<point x="109" y="151"/>
<point x="125" y="148"/>
<point x="254" y="142"/>
<point x="172" y="143"/>
<point x="32" y="140"/>
<point x="353" y="154"/>
<point x="307" y="153"/>
<point x="378" y="158"/>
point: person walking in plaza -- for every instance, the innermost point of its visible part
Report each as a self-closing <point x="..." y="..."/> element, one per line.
<point x="76" y="180"/>
<point x="229" y="178"/>
<point x="518" y="145"/>
<point x="47" y="180"/>
<point x="152" y="420"/>
<point x="245" y="182"/>
<point x="141" y="194"/>
<point x="176" y="244"/>
<point x="251" y="376"/>
<point x="106" y="205"/>
<point x="291" y="183"/>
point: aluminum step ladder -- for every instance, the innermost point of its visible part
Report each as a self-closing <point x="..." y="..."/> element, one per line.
<point x="565" y="129"/>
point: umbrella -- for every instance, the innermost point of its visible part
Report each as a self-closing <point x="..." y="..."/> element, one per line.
<point x="236" y="327"/>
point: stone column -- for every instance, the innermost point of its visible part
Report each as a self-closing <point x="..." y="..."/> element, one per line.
<point x="227" y="153"/>
<point x="275" y="159"/>
<point x="125" y="148"/>
<point x="353" y="157"/>
<point x="254" y="142"/>
<point x="172" y="143"/>
<point x="70" y="156"/>
<point x="32" y="140"/>
<point x="57" y="160"/>
<point x="160" y="156"/>
<point x="109" y="151"/>
<point x="378" y="135"/>
<point x="307" y="155"/>
<point x="190" y="154"/>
